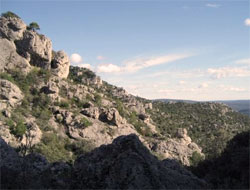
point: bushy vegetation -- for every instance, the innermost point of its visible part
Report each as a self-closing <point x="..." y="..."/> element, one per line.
<point x="9" y="14"/>
<point x="53" y="148"/>
<point x="231" y="169"/>
<point x="85" y="122"/>
<point x="77" y="74"/>
<point x="208" y="125"/>
<point x="33" y="26"/>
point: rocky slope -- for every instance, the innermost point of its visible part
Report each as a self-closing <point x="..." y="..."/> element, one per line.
<point x="61" y="112"/>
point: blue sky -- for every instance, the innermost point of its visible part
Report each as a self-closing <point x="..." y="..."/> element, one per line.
<point x="195" y="50"/>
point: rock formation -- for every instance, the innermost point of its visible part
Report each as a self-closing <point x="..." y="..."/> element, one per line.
<point x="60" y="64"/>
<point x="36" y="48"/>
<point x="10" y="59"/>
<point x="180" y="148"/>
<point x="124" y="164"/>
<point x="10" y="95"/>
<point x="12" y="28"/>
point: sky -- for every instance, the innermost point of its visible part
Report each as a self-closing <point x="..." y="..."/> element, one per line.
<point x="196" y="50"/>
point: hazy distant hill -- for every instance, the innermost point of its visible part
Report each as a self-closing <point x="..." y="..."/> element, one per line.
<point x="242" y="106"/>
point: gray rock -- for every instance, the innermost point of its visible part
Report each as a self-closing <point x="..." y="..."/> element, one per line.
<point x="12" y="28"/>
<point x="92" y="112"/>
<point x="35" y="47"/>
<point x="127" y="164"/>
<point x="181" y="148"/>
<point x="10" y="94"/>
<point x="10" y="60"/>
<point x="60" y="64"/>
<point x="111" y="116"/>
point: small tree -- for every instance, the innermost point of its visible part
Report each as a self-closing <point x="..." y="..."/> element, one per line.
<point x="9" y="14"/>
<point x="33" y="26"/>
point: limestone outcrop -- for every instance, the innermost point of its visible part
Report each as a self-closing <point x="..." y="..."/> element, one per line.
<point x="36" y="48"/>
<point x="180" y="148"/>
<point x="10" y="95"/>
<point x="10" y="59"/>
<point x="60" y="64"/>
<point x="12" y="28"/>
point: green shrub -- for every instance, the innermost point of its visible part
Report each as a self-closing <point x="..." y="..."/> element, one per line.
<point x="33" y="26"/>
<point x="64" y="104"/>
<point x="79" y="147"/>
<point x="195" y="159"/>
<point x="85" y="122"/>
<point x="98" y="99"/>
<point x="53" y="148"/>
<point x="18" y="130"/>
<point x="7" y="76"/>
<point x="9" y="14"/>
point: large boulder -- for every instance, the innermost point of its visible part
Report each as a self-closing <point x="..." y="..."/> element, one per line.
<point x="36" y="48"/>
<point x="111" y="116"/>
<point x="92" y="112"/>
<point x="181" y="148"/>
<point x="128" y="164"/>
<point x="10" y="95"/>
<point x="60" y="64"/>
<point x="12" y="28"/>
<point x="10" y="59"/>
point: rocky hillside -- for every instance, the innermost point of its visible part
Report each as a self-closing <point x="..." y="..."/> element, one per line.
<point x="63" y="112"/>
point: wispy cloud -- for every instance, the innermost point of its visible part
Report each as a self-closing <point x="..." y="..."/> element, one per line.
<point x="247" y="22"/>
<point x="203" y="85"/>
<point x="218" y="73"/>
<point x="243" y="61"/>
<point x="140" y="63"/>
<point x="212" y="5"/>
<point x="100" y="57"/>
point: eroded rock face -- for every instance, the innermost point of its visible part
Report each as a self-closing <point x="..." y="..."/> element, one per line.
<point x="12" y="28"/>
<point x="36" y="48"/>
<point x="9" y="59"/>
<point x="10" y="95"/>
<point x="180" y="148"/>
<point x="60" y="64"/>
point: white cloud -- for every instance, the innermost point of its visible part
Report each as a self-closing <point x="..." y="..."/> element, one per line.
<point x="75" y="58"/>
<point x="212" y="5"/>
<point x="85" y="65"/>
<point x="108" y="68"/>
<point x="223" y="72"/>
<point x="203" y="85"/>
<point x="141" y="63"/>
<point x="237" y="89"/>
<point x="99" y="57"/>
<point x="247" y="22"/>
<point x="182" y="82"/>
<point x="243" y="61"/>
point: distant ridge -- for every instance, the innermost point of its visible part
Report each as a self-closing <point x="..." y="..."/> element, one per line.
<point x="242" y="106"/>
